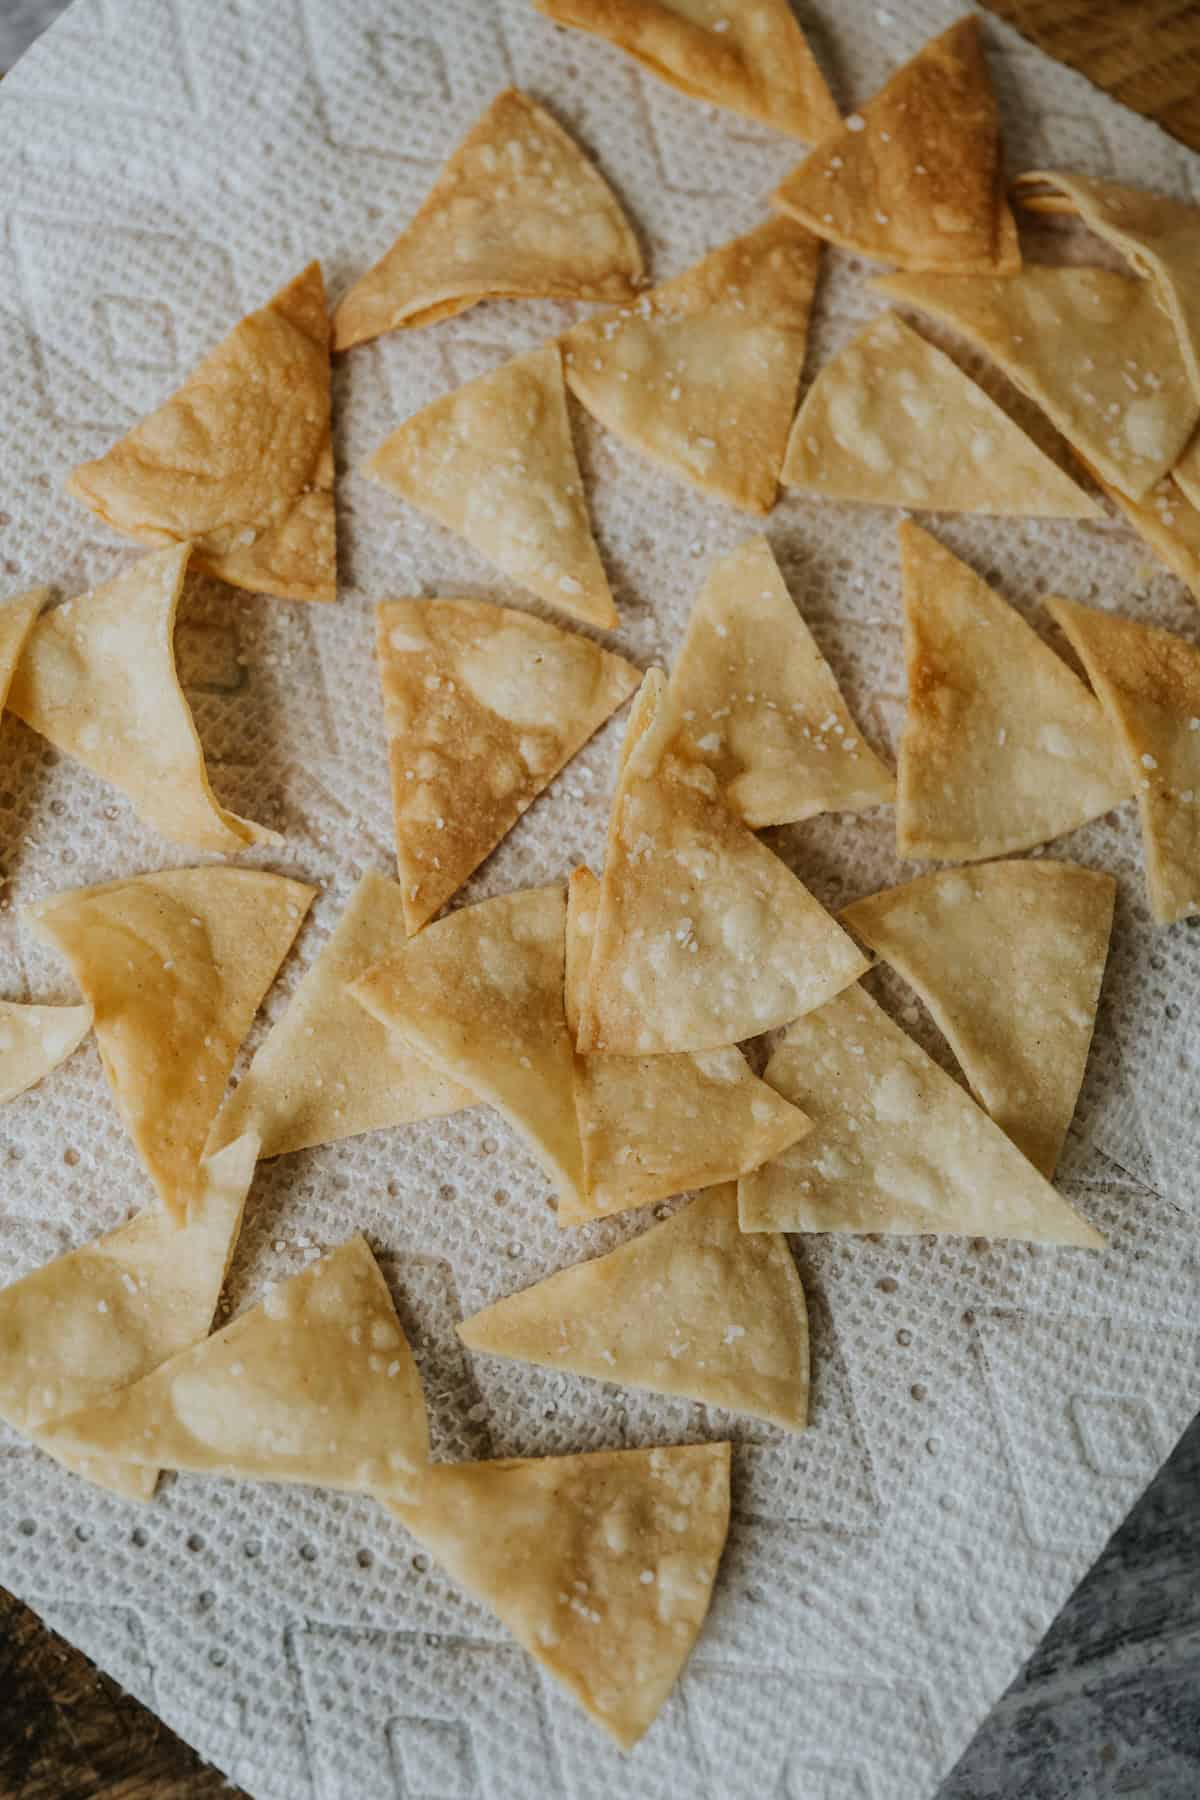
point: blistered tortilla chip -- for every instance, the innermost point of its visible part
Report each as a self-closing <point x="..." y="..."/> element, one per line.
<point x="494" y="461"/>
<point x="601" y="1566"/>
<point x="1009" y="958"/>
<point x="1169" y="523"/>
<point x="34" y="1040"/>
<point x="1148" y="682"/>
<point x="583" y="900"/>
<point x="703" y="936"/>
<point x="761" y="704"/>
<point x="748" y="55"/>
<point x="174" y="966"/>
<point x="693" y="1307"/>
<point x="97" y="678"/>
<point x="328" y="1070"/>
<point x="240" y="460"/>
<point x="16" y="622"/>
<point x="480" y="995"/>
<point x="897" y="1146"/>
<point x="517" y="211"/>
<point x="483" y="706"/>
<point x="1094" y="349"/>
<point x="916" y="176"/>
<point x="892" y="421"/>
<point x="1003" y="747"/>
<point x="701" y="373"/>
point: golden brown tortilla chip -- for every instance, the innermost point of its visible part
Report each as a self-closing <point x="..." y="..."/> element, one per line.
<point x="1003" y="746"/>
<point x="240" y="460"/>
<point x="174" y="966"/>
<point x="701" y="373"/>
<point x="483" y="706"/>
<point x="1148" y="682"/>
<point x="1186" y="473"/>
<point x="601" y="1566"/>
<point x="1009" y="958"/>
<point x="897" y="1147"/>
<point x="16" y="622"/>
<point x="1168" y="522"/>
<point x="34" y="1040"/>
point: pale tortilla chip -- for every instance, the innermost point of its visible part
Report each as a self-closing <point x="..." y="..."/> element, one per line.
<point x="898" y="1147"/>
<point x="916" y="176"/>
<point x="1003" y="747"/>
<point x="174" y="966"/>
<point x="701" y="373"/>
<point x="97" y="678"/>
<point x="1169" y="523"/>
<point x="583" y="902"/>
<point x="329" y="1071"/>
<point x="494" y="461"/>
<point x="16" y="622"/>
<point x="693" y="1307"/>
<point x="517" y="211"/>
<point x="483" y="706"/>
<point x="316" y="1384"/>
<point x="1148" y="682"/>
<point x="601" y="1566"/>
<point x="480" y="995"/>
<point x="34" y="1040"/>
<point x="892" y="421"/>
<point x="1009" y="959"/>
<point x="1094" y="349"/>
<point x="703" y="936"/>
<point x="748" y="55"/>
<point x="240" y="460"/>
<point x="761" y="704"/>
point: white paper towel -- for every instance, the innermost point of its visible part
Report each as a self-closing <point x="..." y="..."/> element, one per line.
<point x="983" y="1414"/>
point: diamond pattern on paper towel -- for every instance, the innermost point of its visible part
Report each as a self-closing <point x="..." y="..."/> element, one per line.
<point x="434" y="1759"/>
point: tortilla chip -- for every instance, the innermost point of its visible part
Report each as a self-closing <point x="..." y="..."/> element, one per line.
<point x="327" y="1071"/>
<point x="1186" y="473"/>
<point x="1003" y="747"/>
<point x="1167" y="520"/>
<point x="483" y="707"/>
<point x="240" y="460"/>
<point x="517" y="211"/>
<point x="892" y="421"/>
<point x="1009" y="959"/>
<point x="701" y="373"/>
<point x="748" y="55"/>
<point x="693" y="1307"/>
<point x="916" y="176"/>
<point x="174" y="966"/>
<point x="1056" y="333"/>
<point x="480" y="995"/>
<point x="16" y="622"/>
<point x="105" y="1315"/>
<point x="703" y="936"/>
<point x="898" y="1147"/>
<point x="761" y="704"/>
<point x="1148" y="682"/>
<point x="97" y="678"/>
<point x="34" y="1040"/>
<point x="494" y="461"/>
<point x="316" y="1384"/>
<point x="601" y="1566"/>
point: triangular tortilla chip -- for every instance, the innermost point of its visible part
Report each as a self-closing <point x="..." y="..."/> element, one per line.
<point x="1148" y="682"/>
<point x="480" y="994"/>
<point x="174" y="966"/>
<point x="892" y="421"/>
<point x="483" y="706"/>
<point x="1094" y="349"/>
<point x="703" y="936"/>
<point x="1003" y="747"/>
<point x="240" y="460"/>
<point x="1186" y="473"/>
<point x="1009" y="959"/>
<point x="494" y="461"/>
<point x="1168" y="522"/>
<point x="761" y="704"/>
<point x="97" y="678"/>
<point x="748" y="55"/>
<point x="916" y="176"/>
<point x="898" y="1147"/>
<point x="316" y="1384"/>
<point x="34" y="1040"/>
<point x="601" y="1566"/>
<point x="16" y="622"/>
<point x="693" y="1307"/>
<point x="105" y="1315"/>
<point x="517" y="211"/>
<point x="701" y="374"/>
<point x="328" y="1071"/>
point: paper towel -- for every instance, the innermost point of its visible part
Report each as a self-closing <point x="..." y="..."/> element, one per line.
<point x="983" y="1413"/>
